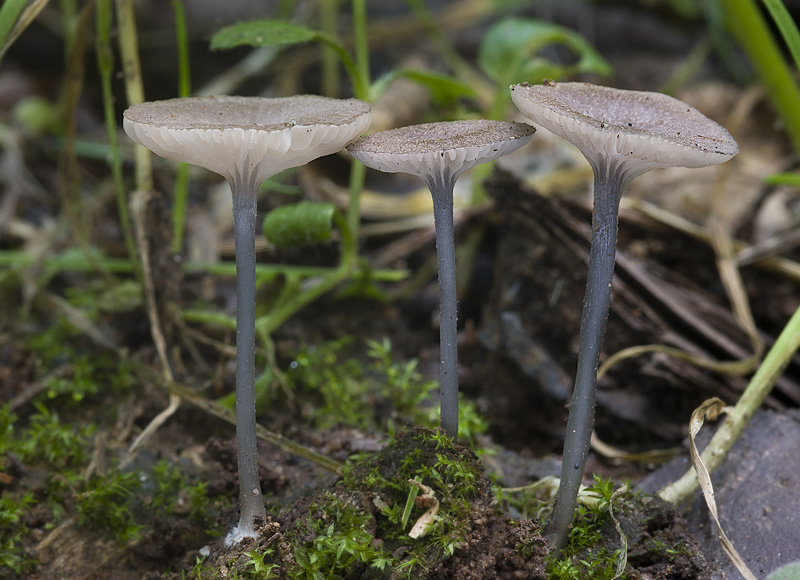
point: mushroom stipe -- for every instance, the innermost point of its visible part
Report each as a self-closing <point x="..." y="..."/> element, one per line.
<point x="246" y="140"/>
<point x="622" y="134"/>
<point x="438" y="153"/>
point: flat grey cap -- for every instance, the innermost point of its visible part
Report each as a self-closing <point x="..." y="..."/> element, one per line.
<point x="247" y="137"/>
<point x="643" y="129"/>
<point x="433" y="149"/>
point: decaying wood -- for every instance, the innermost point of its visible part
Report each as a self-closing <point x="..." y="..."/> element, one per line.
<point x="542" y="252"/>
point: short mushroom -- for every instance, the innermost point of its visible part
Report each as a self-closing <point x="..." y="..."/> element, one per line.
<point x="438" y="153"/>
<point x="246" y="140"/>
<point x="622" y="134"/>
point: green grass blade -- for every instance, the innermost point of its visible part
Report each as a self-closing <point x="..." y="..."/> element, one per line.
<point x="9" y="13"/>
<point x="787" y="27"/>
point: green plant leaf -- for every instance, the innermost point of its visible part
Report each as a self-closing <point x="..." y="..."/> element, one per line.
<point x="787" y="572"/>
<point x="508" y="52"/>
<point x="783" y="19"/>
<point x="787" y="178"/>
<point x="9" y="13"/>
<point x="443" y="88"/>
<point x="261" y="33"/>
<point x="300" y="224"/>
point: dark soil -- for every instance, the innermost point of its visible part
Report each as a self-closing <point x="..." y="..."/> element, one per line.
<point x="90" y="361"/>
<point x="489" y="543"/>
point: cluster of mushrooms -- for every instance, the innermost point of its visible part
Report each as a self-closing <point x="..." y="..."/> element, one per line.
<point x="622" y="134"/>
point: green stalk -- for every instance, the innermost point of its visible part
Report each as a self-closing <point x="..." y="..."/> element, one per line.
<point x="787" y="27"/>
<point x="330" y="69"/>
<point x="748" y="26"/>
<point x="105" y="65"/>
<point x="184" y="90"/>
<point x="129" y="48"/>
<point x="77" y="262"/>
<point x="69" y="17"/>
<point x="450" y="56"/>
<point x="358" y="171"/>
<point x="284" y="10"/>
<point x="284" y="309"/>
<point x="361" y="49"/>
<point x="760" y="385"/>
<point x="9" y="14"/>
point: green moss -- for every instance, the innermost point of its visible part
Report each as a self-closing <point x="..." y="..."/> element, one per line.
<point x="13" y="533"/>
<point x="360" y="527"/>
<point x="585" y="557"/>
<point x="107" y="504"/>
<point x="333" y="540"/>
<point x="381" y="393"/>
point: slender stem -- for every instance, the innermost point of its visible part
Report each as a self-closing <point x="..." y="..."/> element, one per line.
<point x="277" y="316"/>
<point x="129" y="50"/>
<point x="607" y="191"/>
<point x="9" y="14"/>
<point x="264" y="272"/>
<point x="358" y="172"/>
<point x="442" y="193"/>
<point x="361" y="88"/>
<point x="329" y="15"/>
<point x="748" y="25"/>
<point x="244" y="228"/>
<point x="105" y="65"/>
<point x="753" y="396"/>
<point x="184" y="90"/>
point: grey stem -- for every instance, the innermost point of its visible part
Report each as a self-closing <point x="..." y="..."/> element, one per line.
<point x="442" y="192"/>
<point x="244" y="229"/>
<point x="607" y="192"/>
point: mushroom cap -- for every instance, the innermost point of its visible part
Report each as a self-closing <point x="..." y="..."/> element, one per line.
<point x="247" y="139"/>
<point x="641" y="130"/>
<point x="440" y="149"/>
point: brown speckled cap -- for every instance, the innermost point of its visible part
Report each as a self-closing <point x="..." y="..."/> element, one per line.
<point x="448" y="147"/>
<point x="646" y="130"/>
<point x="247" y="136"/>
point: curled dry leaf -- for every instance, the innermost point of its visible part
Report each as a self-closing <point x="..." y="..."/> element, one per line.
<point x="427" y="499"/>
<point x="712" y="408"/>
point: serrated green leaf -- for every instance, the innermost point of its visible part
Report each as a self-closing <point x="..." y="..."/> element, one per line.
<point x="444" y="89"/>
<point x="261" y="33"/>
<point x="508" y="52"/>
<point x="299" y="224"/>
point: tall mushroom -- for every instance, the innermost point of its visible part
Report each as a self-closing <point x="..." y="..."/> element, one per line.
<point x="438" y="153"/>
<point x="622" y="134"/>
<point x="246" y="140"/>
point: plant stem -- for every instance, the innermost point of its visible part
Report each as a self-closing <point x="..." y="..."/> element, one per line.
<point x="748" y="26"/>
<point x="361" y="88"/>
<point x="785" y="23"/>
<point x="277" y="316"/>
<point x="9" y="14"/>
<point x="329" y="14"/>
<point x="607" y="192"/>
<point x="184" y="90"/>
<point x="760" y="385"/>
<point x="264" y="272"/>
<point x="442" y="192"/>
<point x="361" y="82"/>
<point x="105" y="65"/>
<point x="244" y="226"/>
<point x="129" y="50"/>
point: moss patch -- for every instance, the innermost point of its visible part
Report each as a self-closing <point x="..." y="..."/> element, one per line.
<point x="359" y="527"/>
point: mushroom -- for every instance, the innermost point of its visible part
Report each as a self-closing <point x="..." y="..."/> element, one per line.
<point x="438" y="153"/>
<point x="622" y="134"/>
<point x="246" y="140"/>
